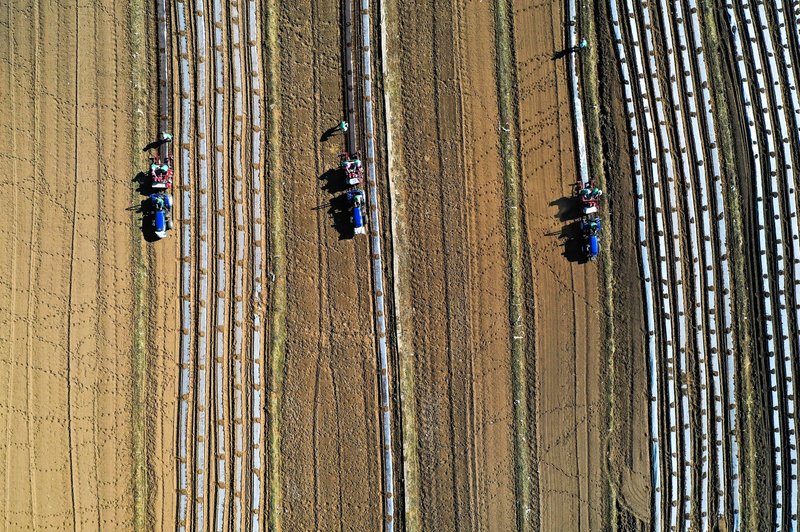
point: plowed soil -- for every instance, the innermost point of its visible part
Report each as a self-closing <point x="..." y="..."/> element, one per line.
<point x="331" y="459"/>
<point x="453" y="284"/>
<point x="68" y="395"/>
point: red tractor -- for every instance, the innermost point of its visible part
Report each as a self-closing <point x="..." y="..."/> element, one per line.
<point x="160" y="172"/>
<point x="352" y="166"/>
<point x="589" y="194"/>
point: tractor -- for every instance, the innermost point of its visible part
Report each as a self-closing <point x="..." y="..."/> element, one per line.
<point x="590" y="231"/>
<point x="356" y="200"/>
<point x="160" y="212"/>
<point x="589" y="195"/>
<point x="160" y="173"/>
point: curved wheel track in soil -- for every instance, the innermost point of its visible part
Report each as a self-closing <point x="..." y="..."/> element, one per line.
<point x="329" y="409"/>
<point x="454" y="332"/>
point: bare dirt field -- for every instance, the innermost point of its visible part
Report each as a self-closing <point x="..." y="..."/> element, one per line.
<point x="226" y="377"/>
<point x="276" y="424"/>
<point x="71" y="414"/>
<point x="454" y="332"/>
<point x="331" y="460"/>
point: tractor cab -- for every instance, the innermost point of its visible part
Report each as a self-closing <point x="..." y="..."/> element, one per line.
<point x="161" y="212"/>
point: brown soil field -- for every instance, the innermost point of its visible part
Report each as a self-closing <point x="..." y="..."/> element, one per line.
<point x="450" y="248"/>
<point x="108" y="338"/>
<point x="453" y="275"/>
<point x="568" y="377"/>
<point x="331" y="459"/>
<point x="72" y="412"/>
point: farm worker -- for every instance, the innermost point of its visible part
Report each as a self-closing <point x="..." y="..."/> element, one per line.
<point x="583" y="44"/>
<point x="357" y="163"/>
<point x="154" y="168"/>
<point x="164" y="168"/>
<point x="585" y="192"/>
<point x="343" y="126"/>
<point x="596" y="192"/>
<point x="166" y="137"/>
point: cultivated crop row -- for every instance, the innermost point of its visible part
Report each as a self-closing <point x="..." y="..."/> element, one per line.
<point x="237" y="157"/>
<point x="684" y="140"/>
<point x="257" y="129"/>
<point x="775" y="286"/>
<point x="380" y="308"/>
<point x="230" y="389"/>
<point x="649" y="303"/>
<point x="184" y="385"/>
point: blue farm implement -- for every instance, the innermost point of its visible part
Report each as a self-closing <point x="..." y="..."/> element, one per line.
<point x="160" y="213"/>
<point x="590" y="231"/>
<point x="356" y="199"/>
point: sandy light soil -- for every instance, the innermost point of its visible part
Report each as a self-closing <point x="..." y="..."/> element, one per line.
<point x="67" y="402"/>
<point x="331" y="476"/>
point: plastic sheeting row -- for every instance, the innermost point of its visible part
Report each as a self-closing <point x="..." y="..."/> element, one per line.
<point x="221" y="270"/>
<point x="780" y="460"/>
<point x="184" y="385"/>
<point x="257" y="396"/>
<point x="670" y="277"/>
<point x="661" y="274"/>
<point x="377" y="272"/>
<point x="724" y="267"/>
<point x="691" y="163"/>
<point x="237" y="60"/>
<point x="713" y="402"/>
<point x="201" y="385"/>
<point x="641" y="212"/>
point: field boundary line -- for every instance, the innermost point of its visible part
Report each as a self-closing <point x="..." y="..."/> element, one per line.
<point x="277" y="250"/>
<point x="509" y="146"/>
<point x="407" y="373"/>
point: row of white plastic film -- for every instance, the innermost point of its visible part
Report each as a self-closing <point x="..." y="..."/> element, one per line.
<point x="184" y="385"/>
<point x="690" y="52"/>
<point x="641" y="212"/>
<point x="674" y="383"/>
<point x="662" y="270"/>
<point x="694" y="234"/>
<point x="769" y="111"/>
<point x="377" y="272"/>
<point x="237" y="62"/>
<point x="721" y="286"/>
<point x="577" y="104"/>
<point x="201" y="356"/>
<point x="257" y="395"/>
<point x="785" y="278"/>
<point x="220" y="340"/>
<point x="690" y="151"/>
